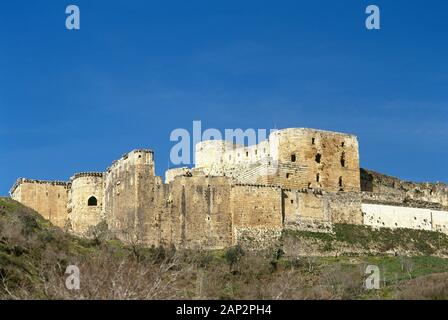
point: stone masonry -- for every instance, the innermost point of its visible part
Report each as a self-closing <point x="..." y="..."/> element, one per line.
<point x="302" y="179"/>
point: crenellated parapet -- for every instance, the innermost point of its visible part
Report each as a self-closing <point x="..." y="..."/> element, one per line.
<point x="49" y="198"/>
<point x="87" y="174"/>
<point x="21" y="181"/>
<point x="85" y="201"/>
<point x="136" y="156"/>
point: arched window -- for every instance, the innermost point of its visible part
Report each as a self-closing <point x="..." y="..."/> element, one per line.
<point x="318" y="157"/>
<point x="293" y="158"/>
<point x="92" y="202"/>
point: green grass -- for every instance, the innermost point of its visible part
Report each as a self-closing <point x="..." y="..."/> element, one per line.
<point x="383" y="239"/>
<point x="22" y="254"/>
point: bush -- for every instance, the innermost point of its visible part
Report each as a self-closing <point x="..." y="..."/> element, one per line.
<point x="431" y="287"/>
<point x="233" y="256"/>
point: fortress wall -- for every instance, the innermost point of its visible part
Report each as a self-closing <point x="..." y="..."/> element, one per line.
<point x="305" y="210"/>
<point x="147" y="187"/>
<point x="246" y="155"/>
<point x="289" y="176"/>
<point x="170" y="174"/>
<point x="210" y="153"/>
<point x="440" y="221"/>
<point x="385" y="189"/>
<point x="290" y="158"/>
<point x="167" y="230"/>
<point x="345" y="207"/>
<point x="405" y="217"/>
<point x="301" y="150"/>
<point x="316" y="210"/>
<point x="257" y="213"/>
<point x="199" y="214"/>
<point x="224" y="155"/>
<point x="49" y="198"/>
<point x="129" y="184"/>
<point x="222" y="158"/>
<point x="85" y="203"/>
<point x="312" y="206"/>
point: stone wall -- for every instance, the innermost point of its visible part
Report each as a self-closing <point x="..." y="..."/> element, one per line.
<point x="85" y="201"/>
<point x="291" y="158"/>
<point x="224" y="155"/>
<point x="170" y="174"/>
<point x="345" y="207"/>
<point x="386" y="216"/>
<point x="317" y="210"/>
<point x="49" y="198"/>
<point x="380" y="188"/>
<point x="318" y="159"/>
<point x="129" y="188"/>
<point x="305" y="209"/>
<point x="256" y="214"/>
<point x="198" y="215"/>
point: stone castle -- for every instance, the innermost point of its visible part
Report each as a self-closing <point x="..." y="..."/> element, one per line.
<point x="303" y="179"/>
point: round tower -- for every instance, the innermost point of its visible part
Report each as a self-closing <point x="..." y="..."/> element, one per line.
<point x="85" y="204"/>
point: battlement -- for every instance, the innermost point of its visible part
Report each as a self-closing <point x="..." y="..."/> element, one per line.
<point x="49" y="198"/>
<point x="132" y="155"/>
<point x="287" y="131"/>
<point x="87" y="174"/>
<point x="37" y="181"/>
<point x="272" y="186"/>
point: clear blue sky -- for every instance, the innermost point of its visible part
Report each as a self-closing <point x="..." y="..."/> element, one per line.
<point x="73" y="101"/>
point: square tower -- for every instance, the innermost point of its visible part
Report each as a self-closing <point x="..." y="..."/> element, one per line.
<point x="309" y="158"/>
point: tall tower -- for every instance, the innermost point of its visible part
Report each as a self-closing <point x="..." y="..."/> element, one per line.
<point x="129" y="195"/>
<point x="309" y="158"/>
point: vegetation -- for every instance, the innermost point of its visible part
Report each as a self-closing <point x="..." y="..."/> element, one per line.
<point x="366" y="239"/>
<point x="34" y="257"/>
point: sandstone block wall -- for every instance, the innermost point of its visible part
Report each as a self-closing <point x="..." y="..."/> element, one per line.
<point x="176" y="172"/>
<point x="198" y="213"/>
<point x="128" y="192"/>
<point x="325" y="160"/>
<point x="291" y="158"/>
<point x="85" y="202"/>
<point x="256" y="214"/>
<point x="305" y="210"/>
<point x="224" y="155"/>
<point x="49" y="198"/>
<point x="345" y="207"/>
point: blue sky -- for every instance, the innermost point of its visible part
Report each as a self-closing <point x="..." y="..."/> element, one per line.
<point x="73" y="101"/>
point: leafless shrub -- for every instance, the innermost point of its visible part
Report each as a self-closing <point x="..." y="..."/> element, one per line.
<point x="106" y="277"/>
<point x="431" y="287"/>
<point x="343" y="284"/>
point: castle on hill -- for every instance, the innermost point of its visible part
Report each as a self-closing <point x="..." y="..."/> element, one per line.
<point x="300" y="179"/>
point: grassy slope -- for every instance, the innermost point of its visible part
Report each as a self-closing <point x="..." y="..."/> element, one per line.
<point x="364" y="239"/>
<point x="34" y="255"/>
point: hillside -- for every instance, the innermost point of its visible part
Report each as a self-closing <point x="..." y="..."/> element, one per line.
<point x="34" y="256"/>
